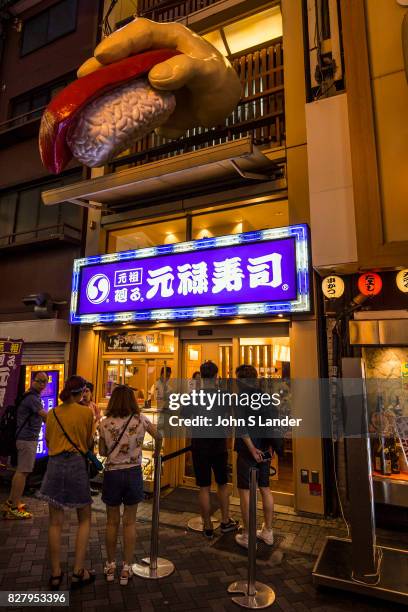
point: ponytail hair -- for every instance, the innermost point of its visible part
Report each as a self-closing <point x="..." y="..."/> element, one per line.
<point x="74" y="385"/>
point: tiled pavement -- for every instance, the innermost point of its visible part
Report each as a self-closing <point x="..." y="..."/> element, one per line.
<point x="203" y="570"/>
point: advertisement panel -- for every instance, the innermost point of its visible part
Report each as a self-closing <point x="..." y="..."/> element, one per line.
<point x="10" y="362"/>
<point x="49" y="396"/>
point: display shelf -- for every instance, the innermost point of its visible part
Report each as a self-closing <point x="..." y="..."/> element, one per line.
<point x="403" y="476"/>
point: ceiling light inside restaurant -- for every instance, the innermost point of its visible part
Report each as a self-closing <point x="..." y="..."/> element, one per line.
<point x="248" y="32"/>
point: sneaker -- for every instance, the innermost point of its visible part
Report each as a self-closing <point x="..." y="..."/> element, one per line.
<point x="242" y="539"/>
<point x="229" y="526"/>
<point x="126" y="574"/>
<point x="208" y="533"/>
<point x="266" y="535"/>
<point x="10" y="513"/>
<point x="109" y="571"/>
<point x="23" y="506"/>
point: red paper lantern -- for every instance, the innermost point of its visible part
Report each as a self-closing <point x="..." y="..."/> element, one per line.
<point x="370" y="283"/>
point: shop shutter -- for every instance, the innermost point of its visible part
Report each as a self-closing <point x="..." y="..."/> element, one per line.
<point x="44" y="352"/>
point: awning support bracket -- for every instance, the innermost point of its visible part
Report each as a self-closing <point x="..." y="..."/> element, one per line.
<point x="86" y="204"/>
<point x="254" y="176"/>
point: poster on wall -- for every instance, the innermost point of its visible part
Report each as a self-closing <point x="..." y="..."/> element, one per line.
<point x="10" y="362"/>
<point x="49" y="396"/>
<point x="254" y="273"/>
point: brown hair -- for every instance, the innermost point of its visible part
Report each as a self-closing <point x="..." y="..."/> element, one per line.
<point x="122" y="402"/>
<point x="74" y="385"/>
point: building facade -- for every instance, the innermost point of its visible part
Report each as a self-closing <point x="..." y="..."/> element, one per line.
<point x="247" y="175"/>
<point x="42" y="44"/>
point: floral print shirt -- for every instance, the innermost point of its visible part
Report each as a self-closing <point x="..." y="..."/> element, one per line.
<point x="128" y="453"/>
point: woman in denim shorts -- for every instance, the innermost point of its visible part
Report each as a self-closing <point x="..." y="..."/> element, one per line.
<point x="66" y="482"/>
<point x="122" y="432"/>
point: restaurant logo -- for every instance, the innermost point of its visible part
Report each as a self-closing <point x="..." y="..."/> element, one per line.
<point x="97" y="289"/>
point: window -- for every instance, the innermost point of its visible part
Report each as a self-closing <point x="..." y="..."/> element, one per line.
<point x="237" y="220"/>
<point x="141" y="236"/>
<point x="58" y="20"/>
<point x="35" y="99"/>
<point x="23" y="216"/>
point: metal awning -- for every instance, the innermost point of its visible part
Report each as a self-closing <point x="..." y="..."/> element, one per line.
<point x="216" y="164"/>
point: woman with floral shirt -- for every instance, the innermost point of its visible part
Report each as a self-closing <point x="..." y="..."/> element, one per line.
<point x="121" y="433"/>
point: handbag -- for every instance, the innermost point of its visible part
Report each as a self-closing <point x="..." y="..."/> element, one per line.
<point x="93" y="464"/>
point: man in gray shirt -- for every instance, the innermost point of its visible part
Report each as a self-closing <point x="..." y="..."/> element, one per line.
<point x="30" y="416"/>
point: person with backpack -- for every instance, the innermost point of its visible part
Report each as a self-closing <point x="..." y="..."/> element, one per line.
<point x="121" y="435"/>
<point x="69" y="435"/>
<point x="30" y="415"/>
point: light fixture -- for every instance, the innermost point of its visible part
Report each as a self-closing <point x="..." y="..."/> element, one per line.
<point x="402" y="278"/>
<point x="333" y="287"/>
<point x="370" y="284"/>
<point x="248" y="32"/>
<point x="43" y="304"/>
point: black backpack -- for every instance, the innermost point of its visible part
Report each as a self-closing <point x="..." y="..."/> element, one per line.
<point x="9" y="431"/>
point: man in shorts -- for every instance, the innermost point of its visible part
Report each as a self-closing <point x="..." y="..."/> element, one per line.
<point x="30" y="416"/>
<point x="210" y="455"/>
<point x="250" y="452"/>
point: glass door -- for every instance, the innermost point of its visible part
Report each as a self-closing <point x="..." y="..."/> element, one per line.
<point x="194" y="354"/>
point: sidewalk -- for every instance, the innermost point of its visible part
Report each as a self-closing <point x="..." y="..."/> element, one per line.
<point x="203" y="570"/>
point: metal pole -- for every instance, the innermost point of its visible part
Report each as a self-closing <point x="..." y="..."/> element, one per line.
<point x="254" y="595"/>
<point x="154" y="536"/>
<point x="154" y="567"/>
<point x="253" y="481"/>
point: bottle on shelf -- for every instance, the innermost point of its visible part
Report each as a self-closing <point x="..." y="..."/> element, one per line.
<point x="387" y="471"/>
<point x="397" y="407"/>
<point x="394" y="452"/>
<point x="381" y="452"/>
<point x="378" y="454"/>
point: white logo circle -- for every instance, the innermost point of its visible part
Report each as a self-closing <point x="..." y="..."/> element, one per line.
<point x="97" y="289"/>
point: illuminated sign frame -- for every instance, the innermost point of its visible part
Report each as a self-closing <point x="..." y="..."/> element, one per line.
<point x="59" y="368"/>
<point x="302" y="303"/>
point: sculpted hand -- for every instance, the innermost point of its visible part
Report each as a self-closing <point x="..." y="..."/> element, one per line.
<point x="206" y="86"/>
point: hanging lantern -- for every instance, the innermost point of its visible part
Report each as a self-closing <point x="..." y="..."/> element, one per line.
<point x="333" y="287"/>
<point x="402" y="280"/>
<point x="370" y="283"/>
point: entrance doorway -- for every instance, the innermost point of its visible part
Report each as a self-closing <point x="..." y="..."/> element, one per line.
<point x="271" y="357"/>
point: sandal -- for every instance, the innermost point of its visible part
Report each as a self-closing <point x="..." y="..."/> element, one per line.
<point x="81" y="581"/>
<point x="126" y="574"/>
<point x="54" y="582"/>
<point x="109" y="571"/>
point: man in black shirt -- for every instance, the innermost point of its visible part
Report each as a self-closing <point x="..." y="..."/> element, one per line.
<point x="250" y="451"/>
<point x="210" y="455"/>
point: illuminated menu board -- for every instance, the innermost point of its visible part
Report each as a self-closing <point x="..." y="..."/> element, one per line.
<point x="49" y="397"/>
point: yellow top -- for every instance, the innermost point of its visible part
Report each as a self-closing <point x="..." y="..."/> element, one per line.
<point x="78" y="422"/>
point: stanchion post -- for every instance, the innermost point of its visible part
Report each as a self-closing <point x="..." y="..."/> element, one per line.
<point x="253" y="483"/>
<point x="154" y="536"/>
<point x="254" y="595"/>
<point x="154" y="567"/>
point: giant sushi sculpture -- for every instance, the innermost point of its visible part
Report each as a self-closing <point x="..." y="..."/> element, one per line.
<point x="146" y="76"/>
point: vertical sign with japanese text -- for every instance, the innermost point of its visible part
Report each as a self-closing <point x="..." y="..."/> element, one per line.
<point x="10" y="362"/>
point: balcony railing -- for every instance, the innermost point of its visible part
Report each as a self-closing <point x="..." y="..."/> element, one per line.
<point x="170" y="10"/>
<point x="61" y="231"/>
<point x="259" y="114"/>
<point x="21" y="119"/>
